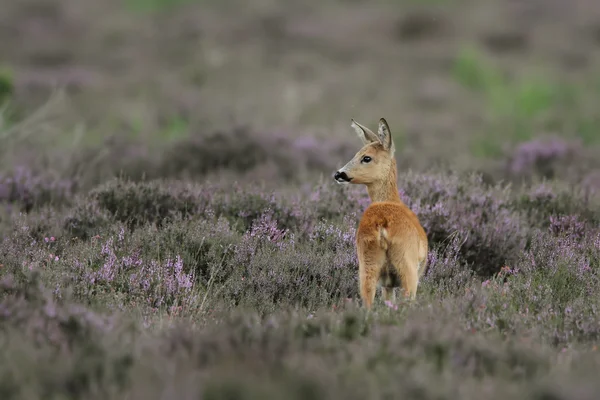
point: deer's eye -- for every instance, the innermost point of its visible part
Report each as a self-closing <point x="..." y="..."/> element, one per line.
<point x="366" y="159"/>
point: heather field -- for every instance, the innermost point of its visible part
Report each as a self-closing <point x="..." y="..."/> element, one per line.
<point x="170" y="227"/>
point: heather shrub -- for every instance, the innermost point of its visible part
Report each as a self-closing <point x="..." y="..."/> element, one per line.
<point x="567" y="225"/>
<point x="278" y="270"/>
<point x="542" y="157"/>
<point x="297" y="211"/>
<point x="242" y="206"/>
<point x="546" y="293"/>
<point x="552" y="159"/>
<point x="32" y="245"/>
<point x="146" y="203"/>
<point x="86" y="219"/>
<point x="117" y="156"/>
<point x="487" y="220"/>
<point x="114" y="270"/>
<point x="231" y="241"/>
<point x="133" y="204"/>
<point x="243" y="150"/>
<point x="493" y="234"/>
<point x="272" y="291"/>
<point x="539" y="203"/>
<point x="54" y="348"/>
<point x="25" y="190"/>
<point x="241" y="153"/>
<point x="43" y="317"/>
<point x="565" y="262"/>
<point x="239" y="150"/>
<point x="295" y="354"/>
<point x="334" y="202"/>
<point x="204" y="246"/>
<point x="447" y="272"/>
<point x="157" y="202"/>
<point x="383" y="356"/>
<point x="237" y="259"/>
<point x="37" y="224"/>
<point x="264" y="267"/>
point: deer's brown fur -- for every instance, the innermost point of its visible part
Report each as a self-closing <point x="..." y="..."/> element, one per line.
<point x="391" y="244"/>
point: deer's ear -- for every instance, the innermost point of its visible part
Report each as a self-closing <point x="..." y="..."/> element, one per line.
<point x="385" y="135"/>
<point x="365" y="134"/>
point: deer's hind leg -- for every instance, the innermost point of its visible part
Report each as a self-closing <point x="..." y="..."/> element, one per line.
<point x="407" y="267"/>
<point x="371" y="259"/>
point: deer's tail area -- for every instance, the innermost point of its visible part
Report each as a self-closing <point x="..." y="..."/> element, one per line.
<point x="382" y="237"/>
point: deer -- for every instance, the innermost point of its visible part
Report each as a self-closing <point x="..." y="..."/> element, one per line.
<point x="391" y="244"/>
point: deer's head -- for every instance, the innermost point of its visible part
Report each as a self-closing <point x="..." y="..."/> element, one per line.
<point x="374" y="161"/>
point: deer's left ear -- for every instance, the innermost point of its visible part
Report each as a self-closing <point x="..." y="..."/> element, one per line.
<point x="385" y="136"/>
<point x="365" y="134"/>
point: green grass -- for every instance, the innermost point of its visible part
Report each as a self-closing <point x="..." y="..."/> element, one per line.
<point x="7" y="84"/>
<point x="471" y="70"/>
<point x="518" y="109"/>
<point x="177" y="128"/>
<point x="153" y="5"/>
<point x="588" y="129"/>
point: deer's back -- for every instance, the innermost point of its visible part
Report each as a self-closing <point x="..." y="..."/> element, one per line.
<point x="395" y="222"/>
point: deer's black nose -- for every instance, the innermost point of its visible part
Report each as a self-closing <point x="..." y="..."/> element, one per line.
<point x="341" y="177"/>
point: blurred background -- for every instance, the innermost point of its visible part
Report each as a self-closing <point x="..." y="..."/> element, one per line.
<point x="226" y="120"/>
<point x="265" y="89"/>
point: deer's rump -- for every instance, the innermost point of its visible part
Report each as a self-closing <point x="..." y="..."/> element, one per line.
<point x="394" y="227"/>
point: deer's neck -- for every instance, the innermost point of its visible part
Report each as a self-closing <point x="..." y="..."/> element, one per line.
<point x="386" y="189"/>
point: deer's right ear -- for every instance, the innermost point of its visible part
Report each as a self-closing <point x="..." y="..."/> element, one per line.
<point x="365" y="134"/>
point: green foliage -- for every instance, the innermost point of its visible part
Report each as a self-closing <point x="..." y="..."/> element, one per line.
<point x="153" y="5"/>
<point x="517" y="107"/>
<point x="587" y="130"/>
<point x="176" y="129"/>
<point x="7" y="84"/>
<point x="471" y="70"/>
<point x="522" y="99"/>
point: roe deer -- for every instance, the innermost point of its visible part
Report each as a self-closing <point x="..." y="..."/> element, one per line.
<point x="391" y="244"/>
